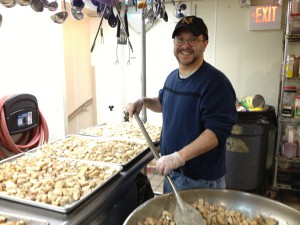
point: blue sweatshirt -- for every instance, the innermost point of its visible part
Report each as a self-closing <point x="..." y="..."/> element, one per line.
<point x="204" y="100"/>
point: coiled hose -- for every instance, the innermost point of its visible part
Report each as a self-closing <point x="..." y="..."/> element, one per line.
<point x="27" y="140"/>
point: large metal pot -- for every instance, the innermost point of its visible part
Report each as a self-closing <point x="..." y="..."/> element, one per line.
<point x="250" y="204"/>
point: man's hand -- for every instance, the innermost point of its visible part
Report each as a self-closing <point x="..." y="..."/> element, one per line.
<point x="169" y="162"/>
<point x="135" y="107"/>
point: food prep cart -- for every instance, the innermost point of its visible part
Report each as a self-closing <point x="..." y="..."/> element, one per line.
<point x="109" y="205"/>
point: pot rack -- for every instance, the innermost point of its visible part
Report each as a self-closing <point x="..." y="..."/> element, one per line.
<point x="143" y="52"/>
<point x="76" y="8"/>
<point x="144" y="11"/>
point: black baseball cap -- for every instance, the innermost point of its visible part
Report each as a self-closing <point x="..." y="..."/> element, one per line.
<point x="194" y="24"/>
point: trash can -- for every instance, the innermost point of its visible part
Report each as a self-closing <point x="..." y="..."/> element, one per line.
<point x="250" y="149"/>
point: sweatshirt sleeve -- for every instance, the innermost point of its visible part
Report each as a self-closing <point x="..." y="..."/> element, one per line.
<point x="218" y="108"/>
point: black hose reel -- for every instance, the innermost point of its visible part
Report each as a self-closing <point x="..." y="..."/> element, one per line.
<point x="21" y="113"/>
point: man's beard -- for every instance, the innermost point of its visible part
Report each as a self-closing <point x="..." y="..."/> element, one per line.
<point x="186" y="63"/>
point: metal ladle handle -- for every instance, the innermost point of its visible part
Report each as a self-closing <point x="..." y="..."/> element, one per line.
<point x="156" y="155"/>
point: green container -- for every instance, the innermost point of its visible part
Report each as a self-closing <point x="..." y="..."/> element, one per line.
<point x="254" y="101"/>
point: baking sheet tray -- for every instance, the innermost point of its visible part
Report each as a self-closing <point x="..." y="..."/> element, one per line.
<point x="27" y="220"/>
<point x="118" y="151"/>
<point x="18" y="161"/>
<point x="129" y="130"/>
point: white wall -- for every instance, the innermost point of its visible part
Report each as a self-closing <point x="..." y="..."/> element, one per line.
<point x="31" y="58"/>
<point x="250" y="59"/>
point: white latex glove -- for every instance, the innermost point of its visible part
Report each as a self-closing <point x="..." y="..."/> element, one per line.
<point x="169" y="162"/>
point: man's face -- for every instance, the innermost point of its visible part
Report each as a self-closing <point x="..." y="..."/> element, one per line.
<point x="188" y="49"/>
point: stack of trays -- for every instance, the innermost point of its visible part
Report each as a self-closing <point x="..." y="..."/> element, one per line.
<point x="59" y="176"/>
<point x="57" y="184"/>
<point x="117" y="151"/>
<point x="6" y="218"/>
<point x="128" y="130"/>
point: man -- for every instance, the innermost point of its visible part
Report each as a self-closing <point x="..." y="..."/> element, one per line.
<point x="198" y="108"/>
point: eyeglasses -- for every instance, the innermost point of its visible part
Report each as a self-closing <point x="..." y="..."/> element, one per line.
<point x="192" y="42"/>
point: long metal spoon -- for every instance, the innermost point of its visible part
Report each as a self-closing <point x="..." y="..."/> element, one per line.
<point x="185" y="214"/>
<point x="60" y="17"/>
<point x="150" y="15"/>
<point x="100" y="26"/>
<point x="165" y="15"/>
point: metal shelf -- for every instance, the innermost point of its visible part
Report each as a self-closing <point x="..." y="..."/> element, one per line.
<point x="292" y="37"/>
<point x="285" y="187"/>
<point x="285" y="159"/>
<point x="283" y="178"/>
<point x="297" y="79"/>
<point x="288" y="119"/>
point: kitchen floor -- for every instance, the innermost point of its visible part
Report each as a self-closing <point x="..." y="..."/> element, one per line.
<point x="290" y="198"/>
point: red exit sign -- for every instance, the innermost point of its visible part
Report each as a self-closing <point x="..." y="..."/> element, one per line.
<point x="265" y="17"/>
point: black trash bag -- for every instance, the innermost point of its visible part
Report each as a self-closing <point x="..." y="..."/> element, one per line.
<point x="144" y="189"/>
<point x="265" y="117"/>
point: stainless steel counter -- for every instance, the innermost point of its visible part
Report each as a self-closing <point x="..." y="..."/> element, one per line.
<point x="109" y="206"/>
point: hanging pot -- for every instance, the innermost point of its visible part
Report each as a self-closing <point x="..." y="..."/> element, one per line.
<point x="23" y="2"/>
<point x="9" y="3"/>
<point x="37" y="5"/>
<point x="52" y="6"/>
<point x="77" y="6"/>
<point x="95" y="3"/>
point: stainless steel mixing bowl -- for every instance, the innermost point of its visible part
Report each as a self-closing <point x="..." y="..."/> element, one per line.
<point x="250" y="204"/>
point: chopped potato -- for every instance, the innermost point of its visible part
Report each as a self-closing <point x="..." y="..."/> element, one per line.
<point x="56" y="182"/>
<point x="124" y="130"/>
<point x="116" y="151"/>
<point x="213" y="215"/>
